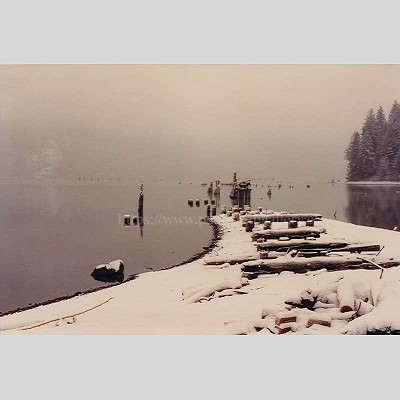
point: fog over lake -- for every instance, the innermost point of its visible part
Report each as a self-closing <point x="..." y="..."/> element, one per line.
<point x="185" y="121"/>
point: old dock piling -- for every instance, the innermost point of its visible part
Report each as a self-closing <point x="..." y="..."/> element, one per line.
<point x="241" y="191"/>
<point x="249" y="226"/>
<point x="127" y="220"/>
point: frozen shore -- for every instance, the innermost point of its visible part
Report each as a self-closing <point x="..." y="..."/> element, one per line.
<point x="216" y="299"/>
<point x="375" y="183"/>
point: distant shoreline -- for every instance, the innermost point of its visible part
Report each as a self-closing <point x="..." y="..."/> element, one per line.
<point x="377" y="183"/>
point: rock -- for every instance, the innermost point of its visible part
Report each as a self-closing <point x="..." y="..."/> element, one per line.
<point x="111" y="272"/>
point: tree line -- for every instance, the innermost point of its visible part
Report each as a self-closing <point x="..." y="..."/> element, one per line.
<point x="374" y="154"/>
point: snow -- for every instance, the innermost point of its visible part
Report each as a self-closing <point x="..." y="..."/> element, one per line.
<point x="345" y="295"/>
<point x="112" y="266"/>
<point x="115" y="265"/>
<point x="200" y="299"/>
<point x="383" y="183"/>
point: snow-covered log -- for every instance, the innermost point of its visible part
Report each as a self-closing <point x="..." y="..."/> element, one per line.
<point x="362" y="308"/>
<point x="281" y="217"/>
<point x="320" y="319"/>
<point x="285" y="317"/>
<point x="345" y="294"/>
<point x="294" y="233"/>
<point x="302" y="264"/>
<point x="303" y="244"/>
<point x="232" y="260"/>
<point x="207" y="291"/>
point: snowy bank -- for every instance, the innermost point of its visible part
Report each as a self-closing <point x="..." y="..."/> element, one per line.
<point x="210" y="296"/>
<point x="381" y="183"/>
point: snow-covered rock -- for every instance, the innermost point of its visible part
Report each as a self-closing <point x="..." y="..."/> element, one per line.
<point x="113" y="271"/>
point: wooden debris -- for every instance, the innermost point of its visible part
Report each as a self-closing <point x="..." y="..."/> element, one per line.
<point x="285" y="317"/>
<point x="319" y="319"/>
<point x="249" y="226"/>
<point x="345" y="295"/>
<point x="302" y="264"/>
<point x="282" y="217"/>
<point x="267" y="225"/>
<point x="362" y="307"/>
<point x="232" y="260"/>
<point x="317" y="245"/>
<point x="294" y="233"/>
<point x="283" y="329"/>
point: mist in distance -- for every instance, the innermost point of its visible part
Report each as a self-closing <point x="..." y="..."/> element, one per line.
<point x="185" y="122"/>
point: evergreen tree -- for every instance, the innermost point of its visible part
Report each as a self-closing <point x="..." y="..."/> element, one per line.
<point x="353" y="156"/>
<point x="369" y="146"/>
<point x="392" y="143"/>
<point x="375" y="153"/>
<point x="382" y="162"/>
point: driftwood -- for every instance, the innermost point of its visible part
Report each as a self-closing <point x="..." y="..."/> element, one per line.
<point x="315" y="245"/>
<point x="285" y="317"/>
<point x="282" y="217"/>
<point x="320" y="319"/>
<point x="232" y="260"/>
<point x="294" y="233"/>
<point x="345" y="295"/>
<point x="301" y="265"/>
<point x="67" y="316"/>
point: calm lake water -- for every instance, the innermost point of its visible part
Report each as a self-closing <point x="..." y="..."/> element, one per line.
<point x="53" y="235"/>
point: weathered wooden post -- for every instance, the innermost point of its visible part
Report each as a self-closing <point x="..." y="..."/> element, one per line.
<point x="310" y="222"/>
<point x="249" y="226"/>
<point x="205" y="202"/>
<point x="127" y="220"/>
<point x="190" y="202"/>
<point x="197" y="203"/>
<point x="235" y="216"/>
<point x="292" y="224"/>
<point x="208" y="210"/>
<point x="267" y="225"/>
<point x="214" y="210"/>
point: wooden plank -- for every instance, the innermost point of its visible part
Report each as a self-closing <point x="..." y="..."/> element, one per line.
<point x="302" y="265"/>
<point x="318" y="246"/>
<point x="294" y="233"/>
<point x="298" y="244"/>
<point x="276" y="217"/>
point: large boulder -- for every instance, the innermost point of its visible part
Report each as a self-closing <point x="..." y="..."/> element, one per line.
<point x="111" y="272"/>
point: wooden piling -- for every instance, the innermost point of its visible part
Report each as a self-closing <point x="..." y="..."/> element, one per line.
<point x="249" y="226"/>
<point x="267" y="225"/>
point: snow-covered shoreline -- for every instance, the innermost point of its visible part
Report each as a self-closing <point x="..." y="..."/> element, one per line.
<point x="162" y="302"/>
<point x="374" y="183"/>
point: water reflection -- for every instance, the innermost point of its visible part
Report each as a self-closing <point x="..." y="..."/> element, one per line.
<point x="373" y="205"/>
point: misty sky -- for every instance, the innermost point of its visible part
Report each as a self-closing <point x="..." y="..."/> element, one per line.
<point x="186" y="121"/>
